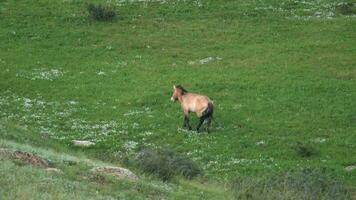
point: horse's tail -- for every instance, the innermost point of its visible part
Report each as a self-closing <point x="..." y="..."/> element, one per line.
<point x="208" y="113"/>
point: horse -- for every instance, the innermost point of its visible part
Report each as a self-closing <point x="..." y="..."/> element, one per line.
<point x="190" y="102"/>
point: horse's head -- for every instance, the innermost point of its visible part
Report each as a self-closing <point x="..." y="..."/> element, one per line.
<point x="177" y="92"/>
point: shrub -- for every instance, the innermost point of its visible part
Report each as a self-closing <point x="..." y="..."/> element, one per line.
<point x="151" y="162"/>
<point x="180" y="164"/>
<point x="166" y="164"/>
<point x="347" y="8"/>
<point x="101" y="12"/>
<point x="301" y="184"/>
<point x="305" y="151"/>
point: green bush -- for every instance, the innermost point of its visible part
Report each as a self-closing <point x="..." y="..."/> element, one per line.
<point x="301" y="184"/>
<point x="166" y="164"/>
<point x="101" y="12"/>
<point x="305" y="151"/>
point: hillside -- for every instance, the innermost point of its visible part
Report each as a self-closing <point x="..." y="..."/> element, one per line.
<point x="282" y="75"/>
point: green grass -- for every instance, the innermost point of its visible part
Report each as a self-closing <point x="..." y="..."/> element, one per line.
<point x="286" y="76"/>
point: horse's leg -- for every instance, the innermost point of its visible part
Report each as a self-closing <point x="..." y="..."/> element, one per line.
<point x="186" y="120"/>
<point x="208" y="124"/>
<point x="188" y="125"/>
<point x="201" y="120"/>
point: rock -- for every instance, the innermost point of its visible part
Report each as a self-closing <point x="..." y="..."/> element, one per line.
<point x="350" y="168"/>
<point x="23" y="157"/>
<point x="118" y="172"/>
<point x="54" y="171"/>
<point x="204" y="60"/>
<point x="5" y="152"/>
<point x="82" y="143"/>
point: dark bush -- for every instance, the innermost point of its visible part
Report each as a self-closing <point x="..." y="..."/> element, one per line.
<point x="347" y="8"/>
<point x="101" y="12"/>
<point x="180" y="164"/>
<point x="305" y="151"/>
<point x="151" y="162"/>
<point x="302" y="184"/>
<point x="166" y="164"/>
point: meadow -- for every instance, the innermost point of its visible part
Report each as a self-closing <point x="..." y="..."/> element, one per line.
<point x="282" y="75"/>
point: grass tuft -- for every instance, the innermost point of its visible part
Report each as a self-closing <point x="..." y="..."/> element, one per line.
<point x="305" y="150"/>
<point x="101" y="12"/>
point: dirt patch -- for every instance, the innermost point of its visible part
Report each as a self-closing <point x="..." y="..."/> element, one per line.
<point x="23" y="157"/>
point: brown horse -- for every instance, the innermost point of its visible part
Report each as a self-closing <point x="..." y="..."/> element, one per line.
<point x="191" y="102"/>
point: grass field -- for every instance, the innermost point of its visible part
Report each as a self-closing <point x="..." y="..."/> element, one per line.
<point x="282" y="75"/>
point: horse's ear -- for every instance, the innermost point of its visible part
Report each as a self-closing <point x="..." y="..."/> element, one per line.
<point x="174" y="87"/>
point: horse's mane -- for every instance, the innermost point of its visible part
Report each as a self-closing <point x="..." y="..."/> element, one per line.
<point x="181" y="88"/>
